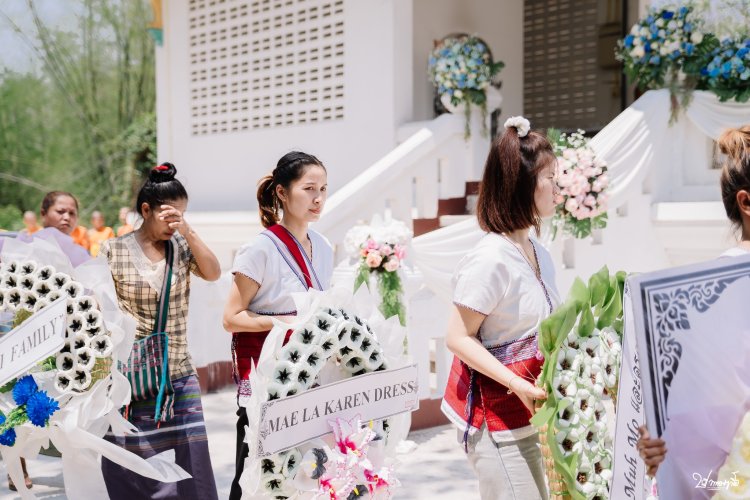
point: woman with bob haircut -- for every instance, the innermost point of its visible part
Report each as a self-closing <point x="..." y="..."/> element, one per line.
<point x="503" y="288"/>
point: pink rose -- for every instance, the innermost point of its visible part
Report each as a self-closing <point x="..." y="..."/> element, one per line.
<point x="392" y="264"/>
<point x="571" y="205"/>
<point x="400" y="252"/>
<point x="363" y="252"/>
<point x="583" y="212"/>
<point x="564" y="180"/>
<point x="590" y="201"/>
<point x="371" y="244"/>
<point x="373" y="259"/>
<point x="590" y="172"/>
<point x="386" y="250"/>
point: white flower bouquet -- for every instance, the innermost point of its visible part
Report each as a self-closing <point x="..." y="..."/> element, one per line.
<point x="381" y="250"/>
<point x="582" y="359"/>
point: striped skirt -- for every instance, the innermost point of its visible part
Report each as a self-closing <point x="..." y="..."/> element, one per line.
<point x="185" y="433"/>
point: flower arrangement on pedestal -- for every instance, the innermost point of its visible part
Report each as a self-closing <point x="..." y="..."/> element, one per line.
<point x="583" y="182"/>
<point x="461" y="69"/>
<point x="728" y="71"/>
<point x="380" y="249"/>
<point x="693" y="47"/>
<point x="581" y="343"/>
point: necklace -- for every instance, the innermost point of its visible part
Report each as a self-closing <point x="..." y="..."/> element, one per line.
<point x="536" y="269"/>
<point x="537" y="272"/>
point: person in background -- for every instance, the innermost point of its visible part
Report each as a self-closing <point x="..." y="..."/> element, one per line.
<point x="98" y="233"/>
<point x="80" y="236"/>
<point x="59" y="213"/>
<point x="124" y="227"/>
<point x="29" y="220"/>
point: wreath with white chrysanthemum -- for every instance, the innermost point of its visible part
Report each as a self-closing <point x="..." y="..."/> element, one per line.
<point x="28" y="287"/>
<point x="332" y="341"/>
<point x="329" y="336"/>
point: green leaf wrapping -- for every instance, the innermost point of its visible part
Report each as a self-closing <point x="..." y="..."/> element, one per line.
<point x="363" y="277"/>
<point x="604" y="294"/>
<point x="391" y="291"/>
<point x="543" y="416"/>
<point x="16" y="417"/>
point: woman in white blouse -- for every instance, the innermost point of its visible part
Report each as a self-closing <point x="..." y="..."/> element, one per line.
<point x="735" y="194"/>
<point x="288" y="257"/>
<point x="503" y="288"/>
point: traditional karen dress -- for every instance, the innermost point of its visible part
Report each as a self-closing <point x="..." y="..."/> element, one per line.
<point x="138" y="282"/>
<point x="496" y="280"/>
<point x="273" y="261"/>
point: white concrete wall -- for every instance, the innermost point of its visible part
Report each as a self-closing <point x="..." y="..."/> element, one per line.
<point x="498" y="22"/>
<point x="221" y="171"/>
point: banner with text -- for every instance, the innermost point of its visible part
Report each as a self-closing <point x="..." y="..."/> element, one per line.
<point x="289" y="422"/>
<point x="39" y="336"/>
<point x="629" y="480"/>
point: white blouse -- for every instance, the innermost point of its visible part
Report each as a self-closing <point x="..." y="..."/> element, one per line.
<point x="268" y="262"/>
<point x="495" y="279"/>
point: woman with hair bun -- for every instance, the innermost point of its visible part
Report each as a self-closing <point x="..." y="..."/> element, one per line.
<point x="151" y="269"/>
<point x="735" y="194"/>
<point x="503" y="288"/>
<point x="287" y="257"/>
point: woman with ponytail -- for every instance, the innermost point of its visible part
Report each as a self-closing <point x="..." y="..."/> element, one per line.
<point x="503" y="289"/>
<point x="735" y="194"/>
<point x="287" y="257"/>
<point x="151" y="269"/>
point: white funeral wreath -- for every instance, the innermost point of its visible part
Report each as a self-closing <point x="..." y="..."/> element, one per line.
<point x="28" y="286"/>
<point x="333" y="335"/>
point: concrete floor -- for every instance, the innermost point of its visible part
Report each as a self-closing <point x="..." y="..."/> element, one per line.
<point x="435" y="470"/>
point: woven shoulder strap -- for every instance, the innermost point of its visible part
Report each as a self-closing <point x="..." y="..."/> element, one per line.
<point x="162" y="313"/>
<point x="288" y="240"/>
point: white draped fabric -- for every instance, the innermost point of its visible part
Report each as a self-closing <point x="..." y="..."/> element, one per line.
<point x="638" y="141"/>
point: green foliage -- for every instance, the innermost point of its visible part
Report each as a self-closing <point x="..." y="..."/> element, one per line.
<point x="83" y="119"/>
<point x="10" y="218"/>
<point x="21" y="316"/>
<point x="16" y="417"/>
<point x="598" y="305"/>
<point x="389" y="288"/>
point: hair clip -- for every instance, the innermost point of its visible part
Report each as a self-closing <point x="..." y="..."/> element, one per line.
<point x="161" y="168"/>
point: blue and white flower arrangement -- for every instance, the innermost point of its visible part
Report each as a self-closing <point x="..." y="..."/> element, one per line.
<point x="662" y="46"/>
<point x="668" y="49"/>
<point x="34" y="406"/>
<point x="461" y="68"/>
<point x="728" y="72"/>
